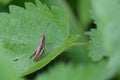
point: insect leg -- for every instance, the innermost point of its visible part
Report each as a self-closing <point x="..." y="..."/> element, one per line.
<point x="37" y="56"/>
<point x="32" y="55"/>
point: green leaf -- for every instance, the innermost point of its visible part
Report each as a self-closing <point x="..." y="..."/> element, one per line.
<point x="108" y="24"/>
<point x="20" y="32"/>
<point x="75" y="53"/>
<point x="6" y="71"/>
<point x="96" y="49"/>
<point x="106" y="14"/>
<point x="47" y="59"/>
<point x="80" y="72"/>
<point x="75" y="27"/>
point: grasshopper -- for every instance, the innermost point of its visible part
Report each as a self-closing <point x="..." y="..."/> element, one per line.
<point x="40" y="49"/>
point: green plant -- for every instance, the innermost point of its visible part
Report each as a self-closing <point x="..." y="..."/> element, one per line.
<point x="68" y="54"/>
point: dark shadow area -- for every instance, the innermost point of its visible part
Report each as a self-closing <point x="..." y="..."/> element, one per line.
<point x="91" y="26"/>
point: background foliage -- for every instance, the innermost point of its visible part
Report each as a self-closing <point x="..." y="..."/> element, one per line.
<point x="82" y="39"/>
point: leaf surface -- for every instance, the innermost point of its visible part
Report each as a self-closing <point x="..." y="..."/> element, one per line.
<point x="21" y="31"/>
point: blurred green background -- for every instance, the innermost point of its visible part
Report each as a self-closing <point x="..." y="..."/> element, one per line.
<point x="73" y="63"/>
